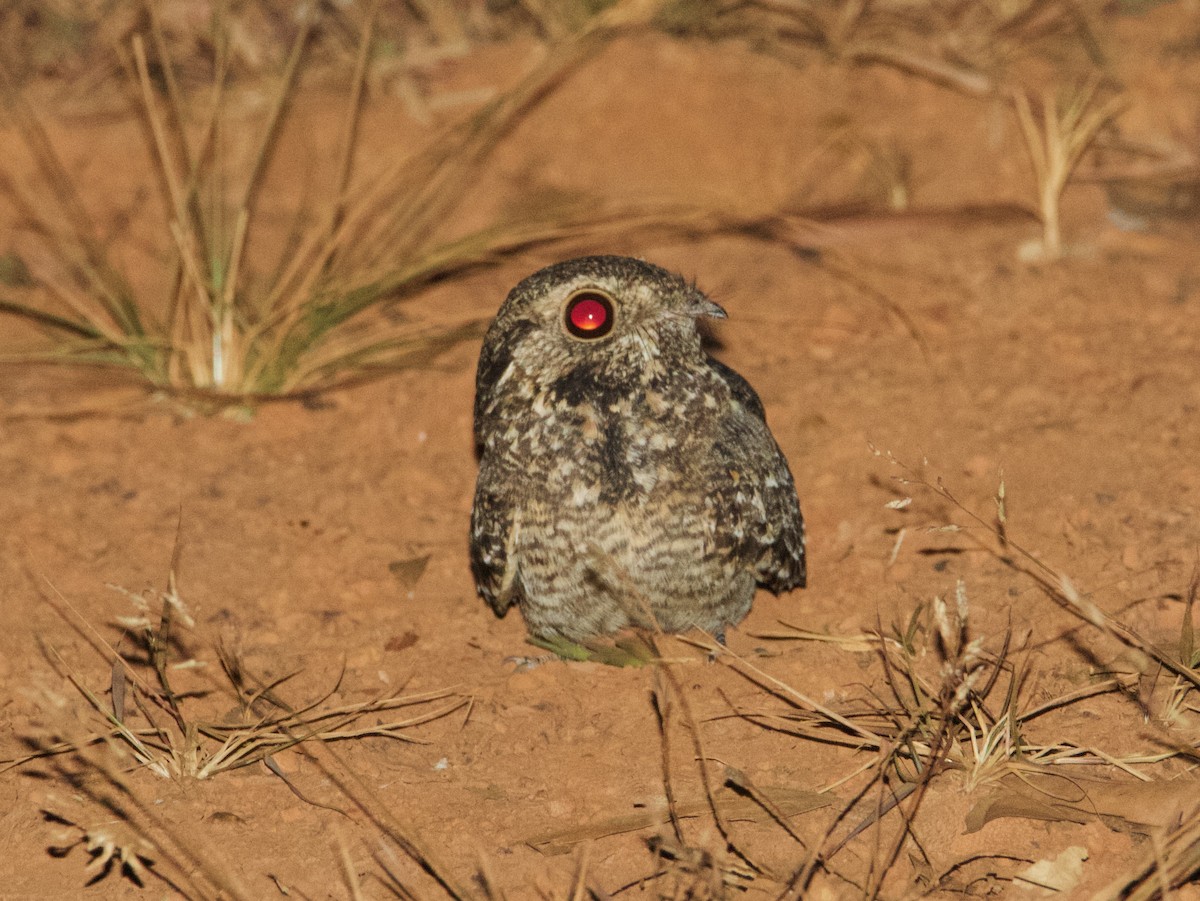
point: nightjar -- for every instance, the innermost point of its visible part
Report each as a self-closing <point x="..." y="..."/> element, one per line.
<point x="626" y="478"/>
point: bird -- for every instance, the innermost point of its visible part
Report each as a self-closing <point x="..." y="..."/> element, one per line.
<point x="627" y="478"/>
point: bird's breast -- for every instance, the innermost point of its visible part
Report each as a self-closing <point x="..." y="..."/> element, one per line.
<point x="626" y="451"/>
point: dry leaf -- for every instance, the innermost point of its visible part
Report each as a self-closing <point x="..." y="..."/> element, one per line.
<point x="408" y="572"/>
<point x="1049" y="877"/>
<point x="1129" y="806"/>
<point x="401" y="642"/>
<point x="1021" y="804"/>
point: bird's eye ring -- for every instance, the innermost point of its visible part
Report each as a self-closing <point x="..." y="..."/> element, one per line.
<point x="589" y="315"/>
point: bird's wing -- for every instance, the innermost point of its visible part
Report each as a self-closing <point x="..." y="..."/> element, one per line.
<point x="495" y="366"/>
<point x="495" y="528"/>
<point x="755" y="511"/>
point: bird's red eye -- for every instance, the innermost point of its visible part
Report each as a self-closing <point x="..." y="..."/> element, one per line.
<point x="589" y="315"/>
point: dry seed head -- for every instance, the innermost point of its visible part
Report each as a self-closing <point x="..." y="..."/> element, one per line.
<point x="964" y="673"/>
<point x="181" y="611"/>
<point x="972" y="655"/>
<point x="960" y="597"/>
<point x="133" y="623"/>
<point x="946" y="629"/>
<point x="1086" y="608"/>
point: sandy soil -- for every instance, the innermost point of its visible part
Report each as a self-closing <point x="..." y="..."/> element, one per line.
<point x="920" y="337"/>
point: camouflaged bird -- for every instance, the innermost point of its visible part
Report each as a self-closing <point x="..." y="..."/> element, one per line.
<point x="626" y="478"/>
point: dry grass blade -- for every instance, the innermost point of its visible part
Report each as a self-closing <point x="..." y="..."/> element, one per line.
<point x="741" y="782"/>
<point x="967" y="80"/>
<point x="702" y="766"/>
<point x="71" y="233"/>
<point x="662" y="708"/>
<point x="856" y="734"/>
<point x="487" y="878"/>
<point x="1145" y="807"/>
<point x="855" y="643"/>
<point x="349" y="871"/>
<point x="986" y="38"/>
<point x="579" y="880"/>
<point x="355" y="789"/>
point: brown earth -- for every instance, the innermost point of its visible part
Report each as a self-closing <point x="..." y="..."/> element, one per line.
<point x="922" y="336"/>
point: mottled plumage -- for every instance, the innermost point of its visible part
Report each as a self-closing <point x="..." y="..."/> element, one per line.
<point x="625" y="477"/>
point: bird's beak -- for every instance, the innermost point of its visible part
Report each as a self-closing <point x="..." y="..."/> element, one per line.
<point x="702" y="306"/>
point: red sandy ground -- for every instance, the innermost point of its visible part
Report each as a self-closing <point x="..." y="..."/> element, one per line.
<point x="1074" y="382"/>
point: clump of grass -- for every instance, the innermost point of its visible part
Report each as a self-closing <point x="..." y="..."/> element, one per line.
<point x="230" y="329"/>
<point x="993" y="536"/>
<point x="224" y="330"/>
<point x="151" y="725"/>
<point x="949" y="707"/>
<point x="1056" y="144"/>
<point x="173" y="742"/>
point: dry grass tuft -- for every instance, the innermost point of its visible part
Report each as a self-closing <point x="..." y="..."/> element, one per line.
<point x="993" y="537"/>
<point x="948" y="707"/>
<point x="149" y="725"/>
<point x="227" y="331"/>
<point x="171" y="742"/>
<point x="235" y="331"/>
<point x="232" y="330"/>
<point x="1057" y="143"/>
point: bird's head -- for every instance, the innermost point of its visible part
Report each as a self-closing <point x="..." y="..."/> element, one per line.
<point x="601" y="318"/>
